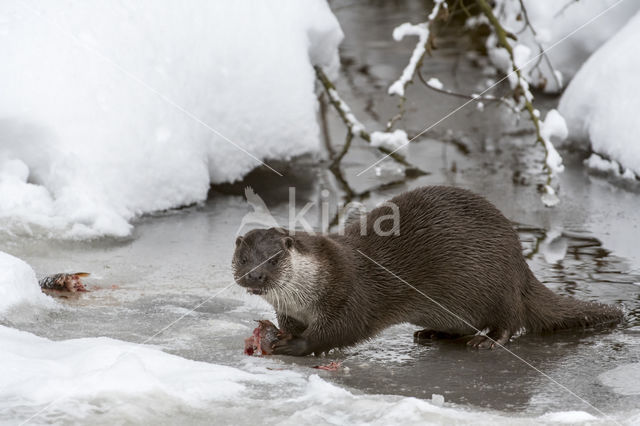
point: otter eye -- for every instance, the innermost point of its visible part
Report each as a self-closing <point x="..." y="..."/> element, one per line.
<point x="243" y="260"/>
<point x="273" y="261"/>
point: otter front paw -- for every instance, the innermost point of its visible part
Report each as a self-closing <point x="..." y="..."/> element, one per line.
<point x="289" y="345"/>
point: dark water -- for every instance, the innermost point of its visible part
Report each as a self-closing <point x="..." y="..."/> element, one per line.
<point x="586" y="247"/>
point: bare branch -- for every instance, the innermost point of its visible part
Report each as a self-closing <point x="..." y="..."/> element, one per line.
<point x="425" y="41"/>
<point x="523" y="86"/>
<point x="353" y="125"/>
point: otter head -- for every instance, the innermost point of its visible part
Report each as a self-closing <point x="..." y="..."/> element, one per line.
<point x="262" y="259"/>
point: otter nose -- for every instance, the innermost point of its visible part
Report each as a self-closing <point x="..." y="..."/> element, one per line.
<point x="256" y="276"/>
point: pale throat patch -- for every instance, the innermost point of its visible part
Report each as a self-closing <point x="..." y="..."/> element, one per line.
<point x="297" y="290"/>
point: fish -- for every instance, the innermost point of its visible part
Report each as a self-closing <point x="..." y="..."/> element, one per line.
<point x="332" y="366"/>
<point x="64" y="282"/>
<point x="262" y="339"/>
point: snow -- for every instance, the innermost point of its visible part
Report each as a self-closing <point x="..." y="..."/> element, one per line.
<point x="437" y="399"/>
<point x="422" y="31"/>
<point x="553" y="130"/>
<point x="521" y="55"/>
<point x="611" y="168"/>
<point x="74" y="372"/>
<point x="568" y="35"/>
<point x="549" y="197"/>
<point x="112" y="111"/>
<point x="396" y="140"/>
<point x="354" y="124"/>
<point x="19" y="286"/>
<point x="83" y="380"/>
<point x="600" y="103"/>
<point x="435" y="83"/>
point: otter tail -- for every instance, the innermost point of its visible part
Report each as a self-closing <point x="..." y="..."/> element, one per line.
<point x="547" y="311"/>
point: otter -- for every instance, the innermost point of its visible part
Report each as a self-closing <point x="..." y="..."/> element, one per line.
<point x="454" y="267"/>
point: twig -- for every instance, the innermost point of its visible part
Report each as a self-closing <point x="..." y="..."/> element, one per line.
<point x="353" y="125"/>
<point x="425" y="40"/>
<point x="326" y="137"/>
<point x="345" y="149"/>
<point x="521" y="83"/>
<point x="543" y="54"/>
<point x="565" y="7"/>
<point x="488" y="98"/>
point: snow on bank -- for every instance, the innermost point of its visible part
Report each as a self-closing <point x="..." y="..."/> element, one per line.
<point x="601" y="103"/>
<point x="18" y="285"/>
<point x="560" y="29"/>
<point x="109" y="111"/>
<point x="113" y="381"/>
<point x="76" y="372"/>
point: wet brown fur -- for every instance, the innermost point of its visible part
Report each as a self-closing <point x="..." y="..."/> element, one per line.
<point x="453" y="246"/>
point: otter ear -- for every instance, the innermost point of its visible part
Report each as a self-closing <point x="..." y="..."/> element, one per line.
<point x="287" y="243"/>
<point x="238" y="241"/>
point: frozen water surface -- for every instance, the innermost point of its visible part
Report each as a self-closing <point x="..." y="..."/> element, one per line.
<point x="586" y="247"/>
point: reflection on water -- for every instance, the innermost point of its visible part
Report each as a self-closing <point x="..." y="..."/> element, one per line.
<point x="577" y="264"/>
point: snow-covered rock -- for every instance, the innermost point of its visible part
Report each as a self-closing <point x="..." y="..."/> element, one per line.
<point x="601" y="103"/>
<point x="111" y="110"/>
<point x="18" y="285"/>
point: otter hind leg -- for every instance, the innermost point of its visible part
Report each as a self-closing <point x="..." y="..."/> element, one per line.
<point x="429" y="334"/>
<point x="497" y="337"/>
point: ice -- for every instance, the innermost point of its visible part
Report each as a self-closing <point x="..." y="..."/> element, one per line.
<point x="112" y="381"/>
<point x="600" y="104"/>
<point x="19" y="286"/>
<point x="111" y="111"/>
<point x="571" y="417"/>
<point x="624" y="380"/>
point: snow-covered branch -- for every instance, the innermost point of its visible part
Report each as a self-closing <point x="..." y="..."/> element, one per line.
<point x="354" y="126"/>
<point x="423" y="32"/>
<point x="553" y="125"/>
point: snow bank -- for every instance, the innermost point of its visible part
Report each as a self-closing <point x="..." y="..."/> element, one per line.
<point x="555" y="23"/>
<point x="18" y="285"/>
<point x="70" y="372"/>
<point x="118" y="382"/>
<point x="109" y="111"/>
<point x="601" y="103"/>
